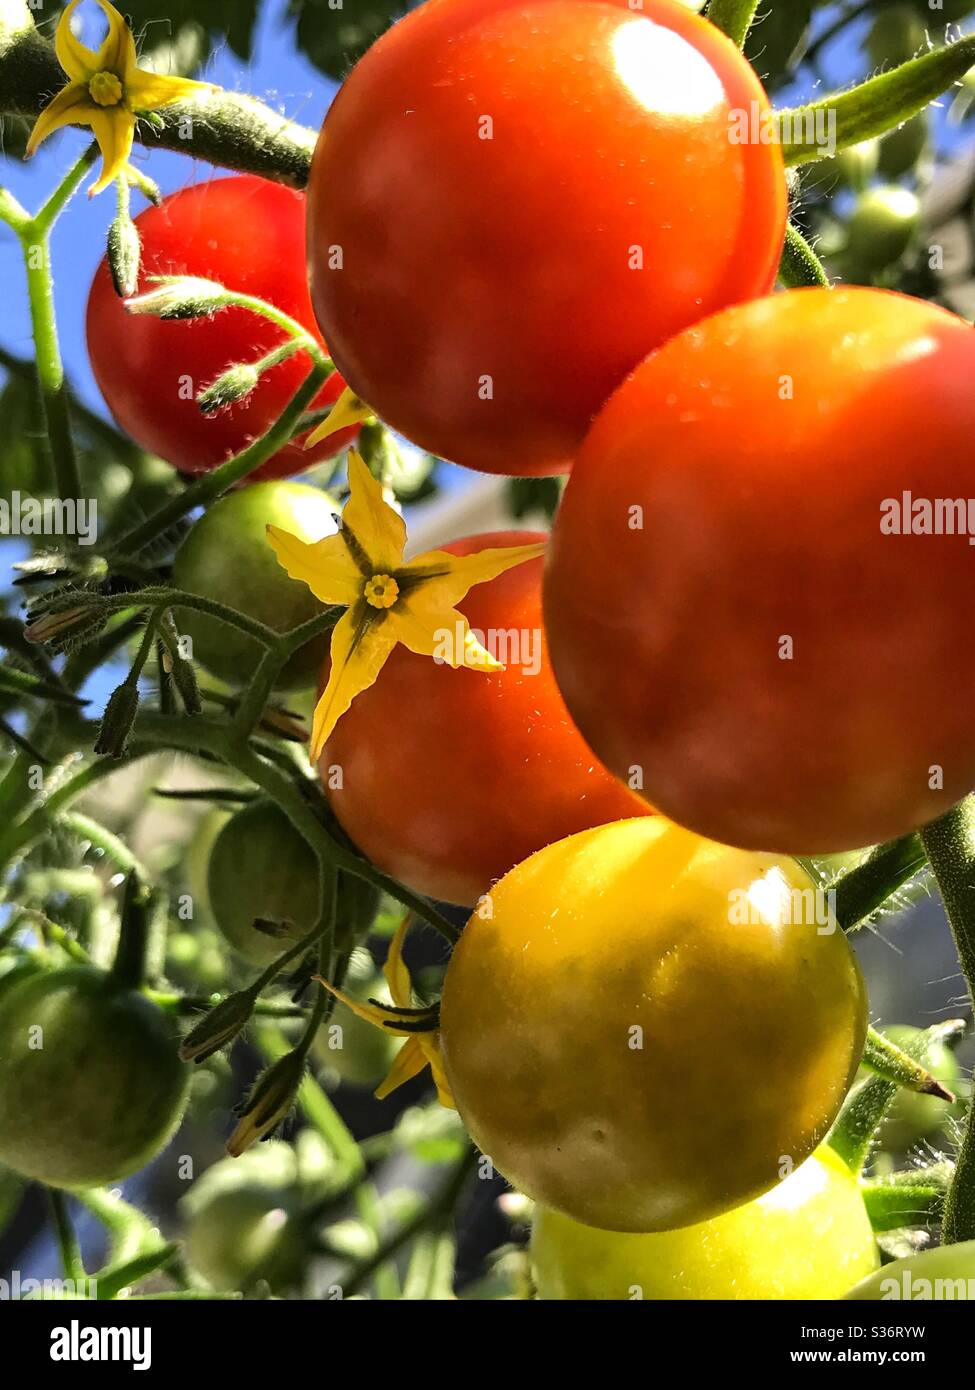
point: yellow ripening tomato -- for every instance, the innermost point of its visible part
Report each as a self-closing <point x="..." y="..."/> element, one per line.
<point x="641" y="1027"/>
<point x="809" y="1237"/>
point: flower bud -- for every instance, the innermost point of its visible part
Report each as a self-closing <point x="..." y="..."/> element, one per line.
<point x="118" y="719"/>
<point x="124" y="254"/>
<point x="184" y="678"/>
<point x="218" y="1027"/>
<point x="179" y="297"/>
<point x="234" y="385"/>
<point x="65" y="620"/>
<point x="270" y="1101"/>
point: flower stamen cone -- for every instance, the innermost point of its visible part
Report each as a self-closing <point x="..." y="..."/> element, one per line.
<point x="388" y="600"/>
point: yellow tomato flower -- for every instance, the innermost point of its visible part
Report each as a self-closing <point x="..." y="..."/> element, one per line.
<point x="404" y="1021"/>
<point x="387" y="599"/>
<point x="106" y="90"/>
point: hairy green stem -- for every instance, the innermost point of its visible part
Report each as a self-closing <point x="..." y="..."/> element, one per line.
<point x="733" y="17"/>
<point x="213" y="484"/>
<point x="34" y="237"/>
<point x="221" y="127"/>
<point x="867" y="887"/>
<point x="950" y="846"/>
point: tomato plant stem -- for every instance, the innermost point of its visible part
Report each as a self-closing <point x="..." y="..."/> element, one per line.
<point x="874" y="107"/>
<point x="34" y="235"/>
<point x="68" y="1247"/>
<point x="213" y="484"/>
<point x="867" y="887"/>
<point x="950" y="846"/>
<point x="733" y="17"/>
<point x="129" y="966"/>
<point x="433" y="1215"/>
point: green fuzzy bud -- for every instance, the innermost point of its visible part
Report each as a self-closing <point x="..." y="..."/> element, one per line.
<point x="271" y="1100"/>
<point x="179" y="297"/>
<point x="124" y="254"/>
<point x="117" y="721"/>
<point x="234" y="385"/>
<point x="184" y="678"/>
<point x="218" y="1027"/>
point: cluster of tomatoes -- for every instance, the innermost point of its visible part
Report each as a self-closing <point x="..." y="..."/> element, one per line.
<point x="533" y="246"/>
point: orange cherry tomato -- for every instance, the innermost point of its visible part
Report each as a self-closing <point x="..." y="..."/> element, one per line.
<point x="485" y="768"/>
<point x="512" y="203"/>
<point x="742" y="601"/>
<point x="249" y="235"/>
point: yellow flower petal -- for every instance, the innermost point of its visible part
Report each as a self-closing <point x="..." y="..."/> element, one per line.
<point x="147" y="91"/>
<point x="423" y="625"/>
<point x="430" y="1043"/>
<point x="117" y="53"/>
<point x="325" y="566"/>
<point x="369" y="1013"/>
<point x="114" y="129"/>
<point x="71" y="106"/>
<point x="452" y="576"/>
<point x="396" y="974"/>
<point x="361" y="642"/>
<point x="347" y="410"/>
<point x="377" y="526"/>
<point x="408" y="1062"/>
<point x="77" y="61"/>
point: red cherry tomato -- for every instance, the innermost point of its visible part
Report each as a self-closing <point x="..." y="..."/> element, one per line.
<point x="512" y="203"/>
<point x="249" y="235"/>
<point x="726" y="605"/>
<point x="486" y="769"/>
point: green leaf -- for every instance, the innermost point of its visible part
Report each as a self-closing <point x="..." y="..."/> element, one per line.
<point x="881" y="104"/>
<point x="335" y="36"/>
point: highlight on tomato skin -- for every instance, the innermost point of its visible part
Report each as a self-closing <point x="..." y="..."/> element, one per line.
<point x="778" y="644"/>
<point x="488" y="766"/>
<point x="639" y="1025"/>
<point x="498" y="232"/>
<point x="248" y="234"/>
<point x="808" y="1238"/>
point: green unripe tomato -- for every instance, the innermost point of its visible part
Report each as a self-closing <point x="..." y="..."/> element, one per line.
<point x="853" y="167"/>
<point x="242" y="1219"/>
<point x="895" y="35"/>
<point x="226" y="557"/>
<point x="356" y="1050"/>
<point x="261" y="867"/>
<point x="948" y="1272"/>
<point x="902" y="148"/>
<point x="882" y="226"/>
<point x="914" y="1117"/>
<point x="245" y="1235"/>
<point x="91" y="1087"/>
<point x="810" y="1237"/>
